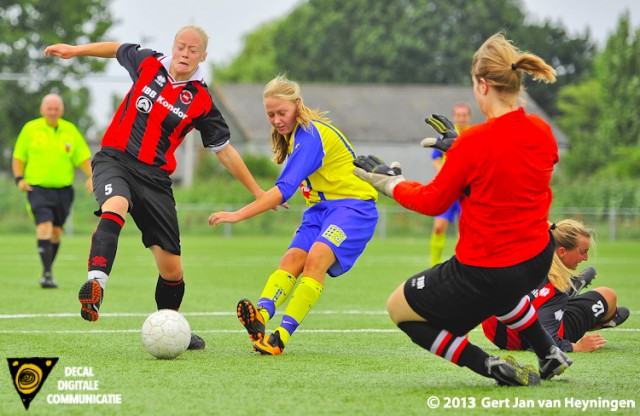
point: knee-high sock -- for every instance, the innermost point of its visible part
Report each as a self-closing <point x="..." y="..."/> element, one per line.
<point x="437" y="247"/>
<point x="54" y="251"/>
<point x="444" y="344"/>
<point x="277" y="289"/>
<point x="46" y="252"/>
<point x="302" y="300"/>
<point x="104" y="244"/>
<point x="169" y="293"/>
<point x="524" y="320"/>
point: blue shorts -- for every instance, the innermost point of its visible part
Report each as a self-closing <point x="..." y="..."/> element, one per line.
<point x="345" y="225"/>
<point x="452" y="213"/>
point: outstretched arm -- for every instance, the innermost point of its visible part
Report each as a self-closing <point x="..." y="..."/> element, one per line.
<point x="232" y="161"/>
<point x="263" y="203"/>
<point x="99" y="50"/>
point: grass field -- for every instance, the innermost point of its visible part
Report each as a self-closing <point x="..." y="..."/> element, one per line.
<point x="347" y="358"/>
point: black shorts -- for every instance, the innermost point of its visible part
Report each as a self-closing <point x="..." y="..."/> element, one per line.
<point x="50" y="204"/>
<point x="457" y="297"/>
<point x="582" y="313"/>
<point x="148" y="190"/>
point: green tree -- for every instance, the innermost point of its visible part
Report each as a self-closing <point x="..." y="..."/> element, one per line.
<point x="599" y="115"/>
<point x="618" y="69"/>
<point x="407" y="41"/>
<point x="26" y="75"/>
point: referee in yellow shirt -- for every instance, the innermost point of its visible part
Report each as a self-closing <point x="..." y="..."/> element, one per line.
<point x="47" y="151"/>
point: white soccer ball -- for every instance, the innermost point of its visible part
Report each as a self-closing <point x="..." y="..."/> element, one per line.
<point x="166" y="334"/>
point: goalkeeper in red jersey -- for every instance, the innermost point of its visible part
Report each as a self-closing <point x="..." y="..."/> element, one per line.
<point x="500" y="170"/>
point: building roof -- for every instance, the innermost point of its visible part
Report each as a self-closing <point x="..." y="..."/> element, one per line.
<point x="371" y="113"/>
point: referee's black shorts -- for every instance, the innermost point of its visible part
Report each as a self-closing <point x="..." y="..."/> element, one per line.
<point x="50" y="204"/>
<point x="582" y="313"/>
<point x="148" y="190"/>
<point x="457" y="297"/>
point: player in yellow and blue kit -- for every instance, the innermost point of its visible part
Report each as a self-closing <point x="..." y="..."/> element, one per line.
<point x="339" y="222"/>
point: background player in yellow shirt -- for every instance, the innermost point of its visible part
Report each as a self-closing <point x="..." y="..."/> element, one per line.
<point x="47" y="151"/>
<point x="461" y="119"/>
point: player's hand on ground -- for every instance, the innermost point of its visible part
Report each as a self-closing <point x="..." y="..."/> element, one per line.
<point x="589" y="343"/>
<point x="381" y="176"/>
<point x="221" y="217"/>
<point x="446" y="130"/>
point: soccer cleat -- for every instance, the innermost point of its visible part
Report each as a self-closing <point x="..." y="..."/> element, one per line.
<point x="251" y="318"/>
<point x="47" y="281"/>
<point x="581" y="281"/>
<point x="554" y="363"/>
<point x="196" y="343"/>
<point x="622" y="314"/>
<point x="508" y="372"/>
<point x="90" y="296"/>
<point x="269" y="345"/>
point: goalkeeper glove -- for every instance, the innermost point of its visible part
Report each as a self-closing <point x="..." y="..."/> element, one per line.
<point x="381" y="176"/>
<point x="445" y="128"/>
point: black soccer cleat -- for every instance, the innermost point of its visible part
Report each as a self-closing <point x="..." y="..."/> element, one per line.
<point x="47" y="281"/>
<point x="196" y="343"/>
<point x="554" y="363"/>
<point x="251" y="319"/>
<point x="622" y="314"/>
<point x="582" y="281"/>
<point x="507" y="372"/>
<point x="90" y="296"/>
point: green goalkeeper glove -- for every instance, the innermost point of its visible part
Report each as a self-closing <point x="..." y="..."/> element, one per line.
<point x="381" y="176"/>
<point x="445" y="128"/>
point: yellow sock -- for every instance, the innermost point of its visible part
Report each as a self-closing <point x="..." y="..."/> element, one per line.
<point x="437" y="247"/>
<point x="304" y="297"/>
<point x="275" y="292"/>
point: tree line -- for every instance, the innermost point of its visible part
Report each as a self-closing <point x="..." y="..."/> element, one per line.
<point x="360" y="41"/>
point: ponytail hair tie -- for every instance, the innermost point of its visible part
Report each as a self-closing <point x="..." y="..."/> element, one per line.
<point x="513" y="67"/>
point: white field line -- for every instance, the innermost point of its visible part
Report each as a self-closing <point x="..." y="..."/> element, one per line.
<point x="213" y="314"/>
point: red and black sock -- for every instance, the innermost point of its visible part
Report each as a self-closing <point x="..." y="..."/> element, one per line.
<point x="104" y="242"/>
<point x="169" y="293"/>
<point x="444" y="344"/>
<point x="524" y="320"/>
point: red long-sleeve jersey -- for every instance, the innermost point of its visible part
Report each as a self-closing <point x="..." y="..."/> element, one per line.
<point x="501" y="172"/>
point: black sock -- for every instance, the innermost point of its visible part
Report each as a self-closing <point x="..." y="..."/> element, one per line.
<point x="104" y="242"/>
<point x="169" y="293"/>
<point x="441" y="342"/>
<point x="45" y="251"/>
<point x="54" y="251"/>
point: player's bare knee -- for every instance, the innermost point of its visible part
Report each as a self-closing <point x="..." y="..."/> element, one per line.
<point x="609" y="295"/>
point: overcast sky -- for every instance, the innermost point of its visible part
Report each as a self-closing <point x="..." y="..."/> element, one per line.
<point x="154" y="23"/>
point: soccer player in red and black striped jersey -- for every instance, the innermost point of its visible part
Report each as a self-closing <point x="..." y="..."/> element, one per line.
<point x="167" y="100"/>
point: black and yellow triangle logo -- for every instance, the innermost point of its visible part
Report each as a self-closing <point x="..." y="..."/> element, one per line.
<point x="28" y="375"/>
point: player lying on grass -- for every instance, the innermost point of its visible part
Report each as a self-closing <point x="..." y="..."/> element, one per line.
<point x="340" y="220"/>
<point x="564" y="313"/>
<point x="500" y="170"/>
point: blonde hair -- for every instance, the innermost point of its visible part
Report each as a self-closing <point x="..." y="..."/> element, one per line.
<point x="285" y="89"/>
<point x="502" y="65"/>
<point x="199" y="30"/>
<point x="566" y="234"/>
